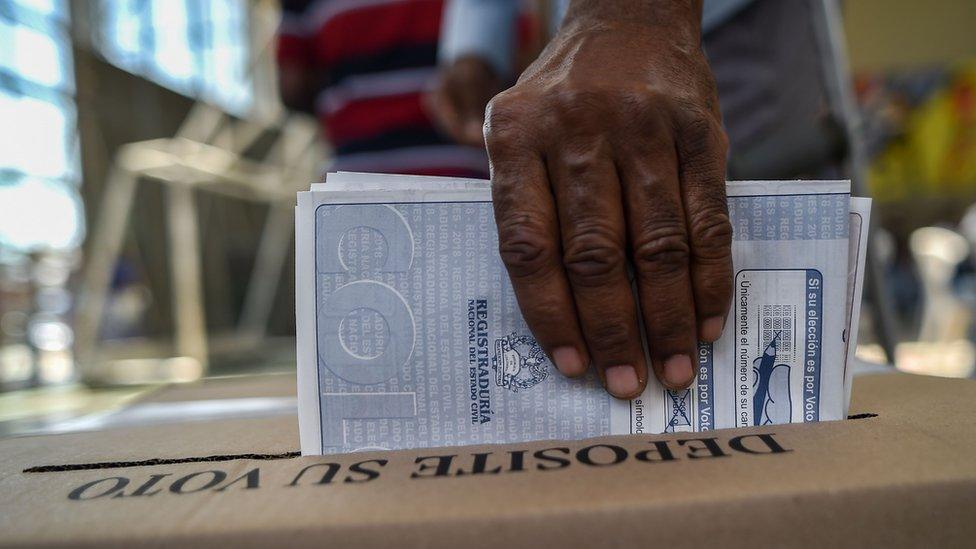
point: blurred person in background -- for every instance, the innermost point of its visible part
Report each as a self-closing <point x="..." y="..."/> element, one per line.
<point x="366" y="68"/>
<point x="610" y="147"/>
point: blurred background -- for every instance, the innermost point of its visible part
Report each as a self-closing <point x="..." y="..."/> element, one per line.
<point x="148" y="170"/>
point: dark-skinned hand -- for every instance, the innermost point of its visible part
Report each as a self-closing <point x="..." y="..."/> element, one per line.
<point x="458" y="101"/>
<point x="608" y="176"/>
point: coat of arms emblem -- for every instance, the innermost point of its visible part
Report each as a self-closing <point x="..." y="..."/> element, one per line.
<point x="519" y="362"/>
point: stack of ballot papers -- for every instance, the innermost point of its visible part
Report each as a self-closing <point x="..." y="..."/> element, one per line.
<point x="409" y="334"/>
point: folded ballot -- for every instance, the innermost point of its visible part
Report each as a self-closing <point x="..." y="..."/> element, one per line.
<point x="409" y="334"/>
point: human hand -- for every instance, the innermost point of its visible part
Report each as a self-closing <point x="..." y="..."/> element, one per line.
<point x="458" y="102"/>
<point x="609" y="150"/>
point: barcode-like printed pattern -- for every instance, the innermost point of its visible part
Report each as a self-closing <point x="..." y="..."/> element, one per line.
<point x="778" y="320"/>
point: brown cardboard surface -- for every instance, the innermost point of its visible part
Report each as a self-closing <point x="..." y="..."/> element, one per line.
<point x="906" y="477"/>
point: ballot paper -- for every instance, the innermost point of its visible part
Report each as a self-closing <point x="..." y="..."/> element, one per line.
<point x="856" y="259"/>
<point x="409" y="334"/>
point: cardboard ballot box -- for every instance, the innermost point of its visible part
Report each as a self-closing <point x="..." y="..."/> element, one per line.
<point x="902" y="474"/>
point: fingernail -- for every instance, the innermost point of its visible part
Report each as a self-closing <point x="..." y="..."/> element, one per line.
<point x="622" y="381"/>
<point x="712" y="328"/>
<point x="677" y="371"/>
<point x="568" y="361"/>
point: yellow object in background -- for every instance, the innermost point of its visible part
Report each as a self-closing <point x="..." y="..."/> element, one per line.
<point x="936" y="154"/>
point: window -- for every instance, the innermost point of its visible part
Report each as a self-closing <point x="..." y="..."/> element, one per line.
<point x="39" y="203"/>
<point x="196" y="47"/>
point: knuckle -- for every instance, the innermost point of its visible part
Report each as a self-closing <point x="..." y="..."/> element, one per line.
<point x="630" y="100"/>
<point x="525" y="247"/>
<point x="711" y="233"/>
<point x="543" y="314"/>
<point x="650" y="100"/>
<point x="713" y="293"/>
<point x="503" y="120"/>
<point x="504" y="107"/>
<point x="500" y="138"/>
<point x="502" y="187"/>
<point x="583" y="156"/>
<point x="575" y="97"/>
<point x="652" y="107"/>
<point x="592" y="257"/>
<point x="596" y="106"/>
<point x="662" y="251"/>
<point x="580" y="107"/>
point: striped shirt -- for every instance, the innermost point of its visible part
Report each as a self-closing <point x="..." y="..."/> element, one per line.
<point x="374" y="60"/>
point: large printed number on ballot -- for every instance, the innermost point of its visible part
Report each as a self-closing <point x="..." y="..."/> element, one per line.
<point x="363" y="294"/>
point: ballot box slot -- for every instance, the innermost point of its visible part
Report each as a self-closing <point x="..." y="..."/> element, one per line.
<point x="158" y="461"/>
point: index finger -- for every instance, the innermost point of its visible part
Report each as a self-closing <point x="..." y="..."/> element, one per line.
<point x="528" y="241"/>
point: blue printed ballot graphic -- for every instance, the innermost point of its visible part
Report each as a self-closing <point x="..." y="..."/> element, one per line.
<point x="771" y="402"/>
<point x="410" y="335"/>
<point x="779" y="337"/>
<point x="679" y="411"/>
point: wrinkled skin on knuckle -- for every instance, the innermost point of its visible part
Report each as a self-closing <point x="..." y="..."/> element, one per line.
<point x="582" y="109"/>
<point x="633" y="100"/>
<point x="545" y="315"/>
<point x="505" y="121"/>
<point x="505" y="106"/>
<point x="580" y="157"/>
<point x="713" y="295"/>
<point x="650" y="105"/>
<point x="526" y="248"/>
<point x="623" y="111"/>
<point x="662" y="251"/>
<point x="592" y="256"/>
<point x="711" y="231"/>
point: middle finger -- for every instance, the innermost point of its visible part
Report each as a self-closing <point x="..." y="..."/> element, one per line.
<point x="594" y="237"/>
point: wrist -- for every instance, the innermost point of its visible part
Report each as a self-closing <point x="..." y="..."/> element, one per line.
<point x="681" y="18"/>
